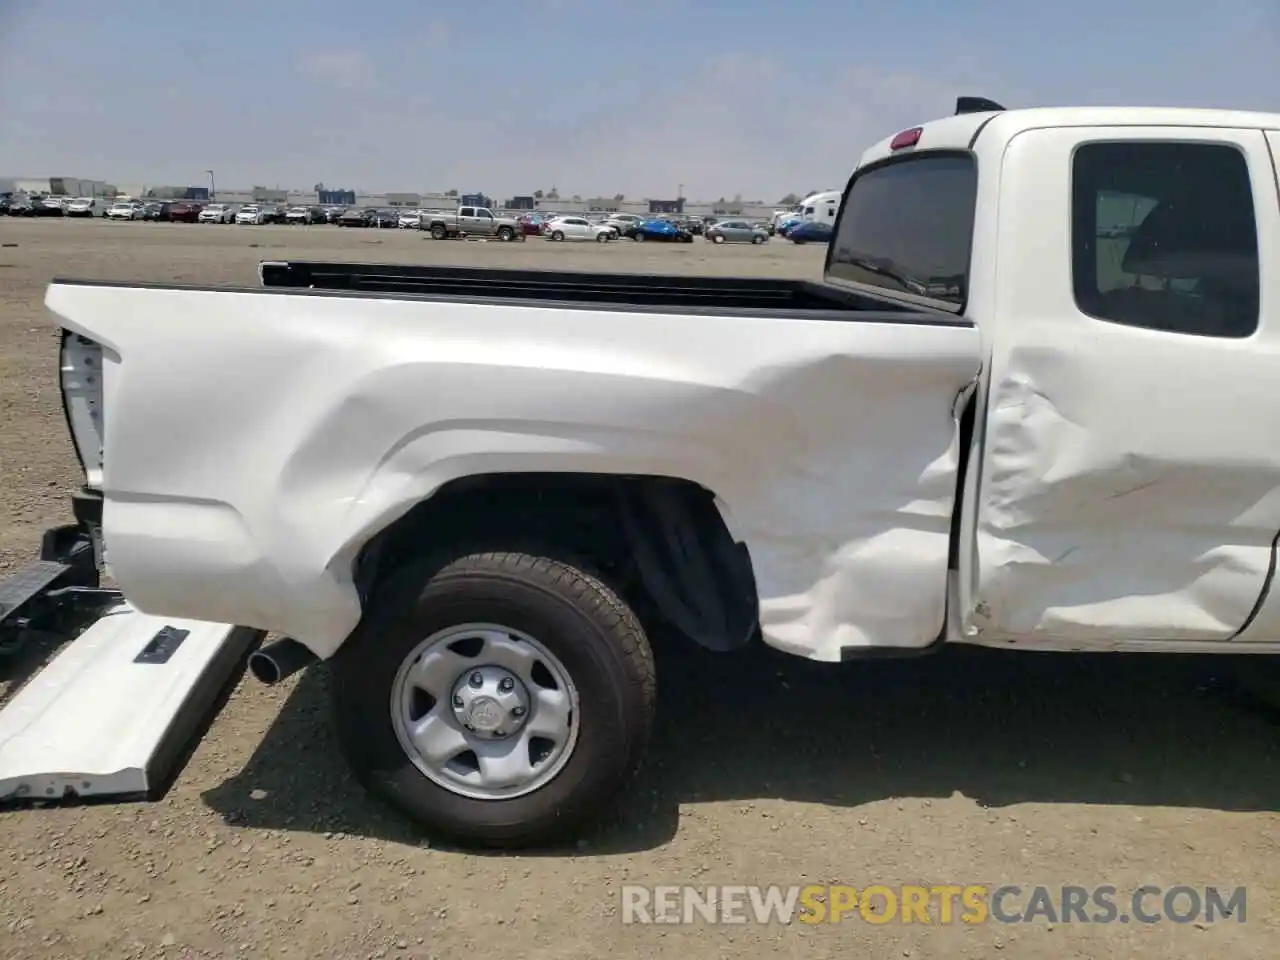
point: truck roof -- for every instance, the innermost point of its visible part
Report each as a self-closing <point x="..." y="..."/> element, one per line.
<point x="958" y="132"/>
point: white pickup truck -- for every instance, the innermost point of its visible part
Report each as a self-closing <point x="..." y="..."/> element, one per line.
<point x="1030" y="405"/>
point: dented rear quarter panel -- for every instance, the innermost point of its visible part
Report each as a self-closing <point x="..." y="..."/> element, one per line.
<point x="255" y="441"/>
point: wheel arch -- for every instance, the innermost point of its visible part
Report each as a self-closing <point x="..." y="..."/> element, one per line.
<point x="661" y="542"/>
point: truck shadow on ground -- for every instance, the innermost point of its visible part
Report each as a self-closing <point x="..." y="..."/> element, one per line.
<point x="998" y="727"/>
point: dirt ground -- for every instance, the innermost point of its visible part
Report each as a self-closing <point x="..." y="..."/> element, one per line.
<point x="963" y="768"/>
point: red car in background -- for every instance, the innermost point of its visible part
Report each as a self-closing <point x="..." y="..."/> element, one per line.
<point x="185" y="212"/>
<point x="531" y="224"/>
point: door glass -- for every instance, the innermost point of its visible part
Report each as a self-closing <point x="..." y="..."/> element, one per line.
<point x="1164" y="237"/>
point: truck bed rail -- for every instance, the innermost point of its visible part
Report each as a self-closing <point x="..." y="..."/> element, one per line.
<point x="561" y="287"/>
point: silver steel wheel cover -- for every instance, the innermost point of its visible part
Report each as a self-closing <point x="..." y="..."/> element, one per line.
<point x="484" y="711"/>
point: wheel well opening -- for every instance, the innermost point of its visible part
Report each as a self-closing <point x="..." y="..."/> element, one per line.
<point x="660" y="542"/>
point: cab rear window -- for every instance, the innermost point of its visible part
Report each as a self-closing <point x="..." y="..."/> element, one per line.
<point x="907" y="226"/>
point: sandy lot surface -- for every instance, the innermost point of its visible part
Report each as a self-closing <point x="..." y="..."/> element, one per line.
<point x="965" y="768"/>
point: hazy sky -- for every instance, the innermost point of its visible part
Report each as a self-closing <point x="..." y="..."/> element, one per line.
<point x="750" y="97"/>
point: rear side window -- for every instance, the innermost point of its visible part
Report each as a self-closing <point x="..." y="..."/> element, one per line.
<point x="907" y="226"/>
<point x="1164" y="237"/>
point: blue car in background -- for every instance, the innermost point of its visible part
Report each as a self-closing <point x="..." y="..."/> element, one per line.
<point x="661" y="230"/>
<point x="786" y="226"/>
<point x="811" y="231"/>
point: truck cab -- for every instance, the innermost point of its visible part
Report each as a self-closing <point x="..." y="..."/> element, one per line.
<point x="1116" y="263"/>
<point x="821" y="207"/>
<point x="1028" y="406"/>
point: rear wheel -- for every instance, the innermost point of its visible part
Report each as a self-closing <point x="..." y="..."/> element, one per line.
<point x="602" y="237"/>
<point x="501" y="699"/>
<point x="505" y="234"/>
<point x="639" y="237"/>
<point x="757" y="240"/>
<point x="557" y="235"/>
<point x="438" y="232"/>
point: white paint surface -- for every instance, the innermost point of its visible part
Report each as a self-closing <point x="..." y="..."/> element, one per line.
<point x="94" y="722"/>
<point x="254" y="442"/>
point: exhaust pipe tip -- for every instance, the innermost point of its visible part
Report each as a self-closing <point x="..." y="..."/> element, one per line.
<point x="263" y="668"/>
<point x="280" y="660"/>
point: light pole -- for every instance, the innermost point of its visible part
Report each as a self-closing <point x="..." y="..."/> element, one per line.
<point x="213" y="187"/>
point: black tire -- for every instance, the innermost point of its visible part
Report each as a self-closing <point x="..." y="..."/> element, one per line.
<point x="639" y="238"/>
<point x="438" y="231"/>
<point x="757" y="240"/>
<point x="578" y="618"/>
<point x="505" y="234"/>
<point x="718" y="238"/>
<point x="557" y="235"/>
<point x="602" y="237"/>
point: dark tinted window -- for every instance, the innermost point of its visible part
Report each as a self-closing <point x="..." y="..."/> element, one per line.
<point x="1163" y="237"/>
<point x="908" y="226"/>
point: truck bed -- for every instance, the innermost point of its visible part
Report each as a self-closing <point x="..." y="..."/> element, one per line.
<point x="253" y="441"/>
<point x="560" y="289"/>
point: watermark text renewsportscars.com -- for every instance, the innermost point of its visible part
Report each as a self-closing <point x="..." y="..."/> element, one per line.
<point x="939" y="904"/>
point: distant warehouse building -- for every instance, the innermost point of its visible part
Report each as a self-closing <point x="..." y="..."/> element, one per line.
<point x="336" y="198"/>
<point x="54" y="186"/>
<point x="404" y="199"/>
<point x="177" y="193"/>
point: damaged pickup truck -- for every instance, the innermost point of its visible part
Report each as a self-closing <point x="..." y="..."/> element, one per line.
<point x="1030" y="405"/>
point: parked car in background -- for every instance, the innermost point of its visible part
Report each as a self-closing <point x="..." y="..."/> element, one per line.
<point x="19" y="206"/>
<point x="622" y="222"/>
<point x="184" y="211"/>
<point x="664" y="231"/>
<point x="778" y="217"/>
<point x="275" y="213"/>
<point x="358" y="218"/>
<point x="579" y="228"/>
<point x="304" y="216"/>
<point x="80" y="207"/>
<point x="251" y="214"/>
<point x="217" y="213"/>
<point x="736" y="231"/>
<point x="332" y="214"/>
<point x="785" y="226"/>
<point x="126" y="210"/>
<point x="531" y="224"/>
<point x="158" y="212"/>
<point x="409" y="220"/>
<point x="49" y="207"/>
<point x="811" y="231"/>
